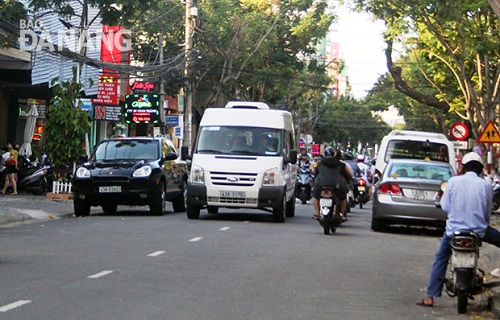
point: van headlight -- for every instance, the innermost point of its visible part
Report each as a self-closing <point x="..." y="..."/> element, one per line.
<point x="197" y="175"/>
<point x="269" y="178"/>
<point x="82" y="173"/>
<point x="142" y="172"/>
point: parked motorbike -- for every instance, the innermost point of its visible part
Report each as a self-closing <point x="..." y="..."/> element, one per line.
<point x="329" y="211"/>
<point x="465" y="279"/>
<point x="363" y="196"/>
<point x="303" y="185"/>
<point x="33" y="177"/>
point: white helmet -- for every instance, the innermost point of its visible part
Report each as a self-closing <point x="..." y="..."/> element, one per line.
<point x="361" y="157"/>
<point x="472" y="156"/>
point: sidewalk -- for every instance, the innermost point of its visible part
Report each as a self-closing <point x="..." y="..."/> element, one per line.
<point x="26" y="206"/>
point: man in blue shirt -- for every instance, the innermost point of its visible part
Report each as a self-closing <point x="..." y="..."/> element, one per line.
<point x="467" y="201"/>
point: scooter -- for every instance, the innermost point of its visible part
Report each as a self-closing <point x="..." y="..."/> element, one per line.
<point x="303" y="185"/>
<point x="35" y="178"/>
<point x="495" y="204"/>
<point x="465" y="279"/>
<point x="363" y="196"/>
<point x="329" y="211"/>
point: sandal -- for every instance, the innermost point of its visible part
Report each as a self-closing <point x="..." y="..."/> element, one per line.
<point x="422" y="302"/>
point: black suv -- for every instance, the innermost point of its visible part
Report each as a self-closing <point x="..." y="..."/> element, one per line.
<point x="130" y="171"/>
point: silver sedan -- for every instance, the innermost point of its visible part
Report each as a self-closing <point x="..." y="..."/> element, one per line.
<point x="408" y="192"/>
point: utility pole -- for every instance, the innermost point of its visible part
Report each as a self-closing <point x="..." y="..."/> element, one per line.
<point x="191" y="13"/>
<point x="162" y="90"/>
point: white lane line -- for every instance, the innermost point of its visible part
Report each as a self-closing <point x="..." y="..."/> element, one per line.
<point x="195" y="239"/>
<point x="224" y="229"/>
<point x="156" y="253"/>
<point x="14" y="305"/>
<point x="100" y="274"/>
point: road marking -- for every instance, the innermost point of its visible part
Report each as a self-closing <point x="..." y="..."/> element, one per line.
<point x="195" y="239"/>
<point x="100" y="274"/>
<point x="224" y="229"/>
<point x="14" y="305"/>
<point x="156" y="253"/>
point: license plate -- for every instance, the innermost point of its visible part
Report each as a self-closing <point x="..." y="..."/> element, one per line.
<point x="232" y="194"/>
<point x="110" y="189"/>
<point x="361" y="189"/>
<point x="466" y="259"/>
<point x="418" y="194"/>
<point x="325" y="202"/>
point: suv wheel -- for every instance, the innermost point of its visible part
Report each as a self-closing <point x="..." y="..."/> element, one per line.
<point x="82" y="208"/>
<point x="158" y="206"/>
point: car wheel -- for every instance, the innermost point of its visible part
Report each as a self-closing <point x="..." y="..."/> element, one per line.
<point x="213" y="210"/>
<point x="279" y="211"/>
<point x="179" y="203"/>
<point x="82" y="208"/>
<point x="109" y="208"/>
<point x="158" y="206"/>
<point x="377" y="225"/>
<point x="193" y="211"/>
<point x="290" y="208"/>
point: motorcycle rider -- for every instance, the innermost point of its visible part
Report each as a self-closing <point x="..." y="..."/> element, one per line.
<point x="355" y="172"/>
<point x="365" y="171"/>
<point x="467" y="201"/>
<point x="332" y="172"/>
<point x="304" y="160"/>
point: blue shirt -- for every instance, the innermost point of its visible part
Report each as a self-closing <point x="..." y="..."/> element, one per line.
<point x="467" y="200"/>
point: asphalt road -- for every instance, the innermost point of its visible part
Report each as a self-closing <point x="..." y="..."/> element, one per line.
<point x="132" y="265"/>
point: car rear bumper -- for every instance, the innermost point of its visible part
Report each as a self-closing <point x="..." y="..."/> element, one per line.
<point x="404" y="212"/>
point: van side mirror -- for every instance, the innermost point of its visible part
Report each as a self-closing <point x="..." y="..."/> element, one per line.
<point x="185" y="153"/>
<point x="292" y="156"/>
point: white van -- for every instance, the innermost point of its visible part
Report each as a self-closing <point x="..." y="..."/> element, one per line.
<point x="415" y="145"/>
<point x="244" y="157"/>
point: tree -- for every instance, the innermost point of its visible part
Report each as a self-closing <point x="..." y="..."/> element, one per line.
<point x="455" y="46"/>
<point x="65" y="126"/>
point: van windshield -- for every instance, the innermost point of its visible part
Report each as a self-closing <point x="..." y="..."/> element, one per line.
<point x="417" y="150"/>
<point x="233" y="140"/>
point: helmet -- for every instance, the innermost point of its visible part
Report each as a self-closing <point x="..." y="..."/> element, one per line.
<point x="348" y="156"/>
<point x="361" y="158"/>
<point x="303" y="154"/>
<point x="329" y="152"/>
<point x="472" y="156"/>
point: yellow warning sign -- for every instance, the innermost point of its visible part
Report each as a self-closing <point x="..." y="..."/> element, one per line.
<point x="490" y="134"/>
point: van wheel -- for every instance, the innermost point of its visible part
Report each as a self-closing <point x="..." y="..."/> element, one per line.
<point x="158" y="206"/>
<point x="290" y="208"/>
<point x="193" y="211"/>
<point x="213" y="210"/>
<point x="179" y="203"/>
<point x="279" y="212"/>
<point x="82" y="208"/>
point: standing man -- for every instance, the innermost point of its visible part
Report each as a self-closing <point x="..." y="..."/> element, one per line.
<point x="467" y="201"/>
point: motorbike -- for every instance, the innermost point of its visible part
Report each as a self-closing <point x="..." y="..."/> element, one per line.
<point x="329" y="211"/>
<point x="303" y="185"/>
<point x="363" y="196"/>
<point x="35" y="178"/>
<point x="464" y="279"/>
<point x="495" y="205"/>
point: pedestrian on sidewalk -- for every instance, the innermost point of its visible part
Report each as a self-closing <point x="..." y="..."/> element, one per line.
<point x="10" y="170"/>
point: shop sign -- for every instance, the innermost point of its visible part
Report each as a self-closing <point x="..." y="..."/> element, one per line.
<point x="142" y="108"/>
<point x="143" y="87"/>
<point x="107" y="113"/>
<point x="107" y="91"/>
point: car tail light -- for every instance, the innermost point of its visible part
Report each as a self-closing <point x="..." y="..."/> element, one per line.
<point x="393" y="188"/>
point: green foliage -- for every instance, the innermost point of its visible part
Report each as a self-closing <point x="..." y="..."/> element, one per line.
<point x="65" y="126"/>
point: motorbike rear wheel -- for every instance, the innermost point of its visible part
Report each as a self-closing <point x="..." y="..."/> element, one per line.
<point x="326" y="230"/>
<point x="462" y="301"/>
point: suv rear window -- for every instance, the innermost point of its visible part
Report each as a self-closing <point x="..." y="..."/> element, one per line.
<point x="416" y="150"/>
<point x="127" y="150"/>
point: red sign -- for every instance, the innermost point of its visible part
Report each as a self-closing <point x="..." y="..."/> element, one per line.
<point x="107" y="91"/>
<point x="459" y="131"/>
